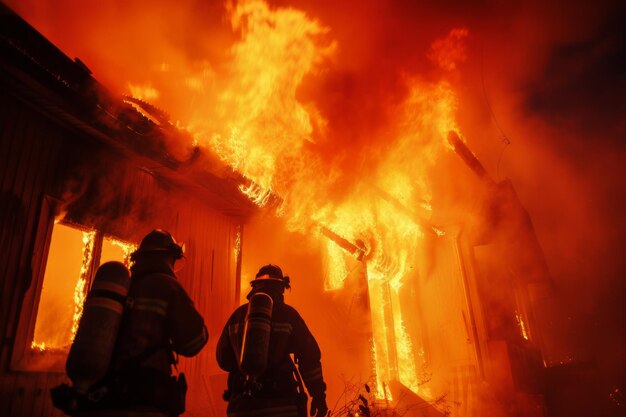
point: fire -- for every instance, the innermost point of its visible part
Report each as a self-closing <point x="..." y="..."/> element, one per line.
<point x="262" y="128"/>
<point x="237" y="249"/>
<point x="80" y="291"/>
<point x="143" y="92"/>
<point x="62" y="298"/>
<point x="257" y="123"/>
<point x="335" y="266"/>
<point x="127" y="249"/>
<point x="263" y="131"/>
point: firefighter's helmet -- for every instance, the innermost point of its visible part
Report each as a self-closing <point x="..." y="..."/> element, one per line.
<point x="159" y="241"/>
<point x="271" y="273"/>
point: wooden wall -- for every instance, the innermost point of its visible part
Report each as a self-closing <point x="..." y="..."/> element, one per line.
<point x="29" y="149"/>
<point x="39" y="157"/>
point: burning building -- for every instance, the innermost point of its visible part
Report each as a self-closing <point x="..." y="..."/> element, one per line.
<point x="85" y="174"/>
<point x="420" y="272"/>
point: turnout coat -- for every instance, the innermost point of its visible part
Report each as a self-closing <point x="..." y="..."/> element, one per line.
<point x="277" y="394"/>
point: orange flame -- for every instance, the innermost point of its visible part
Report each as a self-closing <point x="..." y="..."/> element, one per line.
<point x="127" y="249"/>
<point x="258" y="125"/>
<point x="268" y="135"/>
<point x="80" y="292"/>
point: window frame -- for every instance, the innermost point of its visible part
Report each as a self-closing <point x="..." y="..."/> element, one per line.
<point x="23" y="357"/>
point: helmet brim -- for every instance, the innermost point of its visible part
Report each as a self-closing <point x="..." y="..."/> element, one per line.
<point x="265" y="279"/>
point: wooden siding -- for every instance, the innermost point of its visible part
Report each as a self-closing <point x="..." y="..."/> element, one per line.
<point x="39" y="157"/>
<point x="29" y="149"/>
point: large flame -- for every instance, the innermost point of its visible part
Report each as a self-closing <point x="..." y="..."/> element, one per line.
<point x="254" y="117"/>
<point x="266" y="133"/>
<point x="301" y="105"/>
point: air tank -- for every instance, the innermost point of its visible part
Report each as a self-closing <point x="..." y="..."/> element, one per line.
<point x="90" y="354"/>
<point x="256" y="335"/>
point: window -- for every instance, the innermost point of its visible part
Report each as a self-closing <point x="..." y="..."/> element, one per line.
<point x="62" y="293"/>
<point x="68" y="256"/>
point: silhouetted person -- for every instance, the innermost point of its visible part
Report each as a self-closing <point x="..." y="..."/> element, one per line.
<point x="159" y="320"/>
<point x="255" y="348"/>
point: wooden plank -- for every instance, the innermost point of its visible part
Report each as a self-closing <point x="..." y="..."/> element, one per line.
<point x="31" y="186"/>
<point x="9" y="147"/>
<point x="15" y="138"/>
<point x="8" y="144"/>
<point x="7" y="382"/>
<point x="32" y="295"/>
<point x="17" y="395"/>
<point x="13" y="217"/>
<point x="17" y="270"/>
<point x="31" y="386"/>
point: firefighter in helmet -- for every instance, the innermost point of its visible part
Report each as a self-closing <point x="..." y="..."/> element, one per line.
<point x="159" y="323"/>
<point x="255" y="348"/>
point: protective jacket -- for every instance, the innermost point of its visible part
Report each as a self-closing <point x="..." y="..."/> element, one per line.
<point x="159" y="320"/>
<point x="276" y="391"/>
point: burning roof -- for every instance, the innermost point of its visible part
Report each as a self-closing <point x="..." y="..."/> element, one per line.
<point x="40" y="74"/>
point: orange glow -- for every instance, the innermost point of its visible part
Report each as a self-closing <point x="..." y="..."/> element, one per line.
<point x="449" y="52"/>
<point x="61" y="304"/>
<point x="522" y="325"/>
<point x="63" y="287"/>
<point x="143" y="92"/>
<point x="335" y="265"/>
<point x="252" y="114"/>
<point x="116" y="250"/>
<point x="80" y="291"/>
<point x="267" y="134"/>
<point x="237" y="249"/>
<point x="337" y="117"/>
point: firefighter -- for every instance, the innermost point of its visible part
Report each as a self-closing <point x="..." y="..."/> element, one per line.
<point x="276" y="389"/>
<point x="159" y="323"/>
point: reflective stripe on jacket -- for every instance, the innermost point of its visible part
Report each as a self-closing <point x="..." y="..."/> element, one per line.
<point x="289" y="335"/>
<point x="157" y="310"/>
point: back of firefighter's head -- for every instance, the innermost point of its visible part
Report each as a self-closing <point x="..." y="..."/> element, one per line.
<point x="158" y="244"/>
<point x="271" y="276"/>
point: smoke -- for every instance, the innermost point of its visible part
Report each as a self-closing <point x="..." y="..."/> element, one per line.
<point x="540" y="99"/>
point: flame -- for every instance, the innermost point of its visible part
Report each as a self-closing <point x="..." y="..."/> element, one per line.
<point x="237" y="249"/>
<point x="127" y="249"/>
<point x="80" y="291"/>
<point x="61" y="301"/>
<point x="522" y="325"/>
<point x="38" y="346"/>
<point x="336" y="268"/>
<point x="260" y="127"/>
<point x="268" y="135"/>
<point x="143" y="92"/>
<point x="450" y="51"/>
